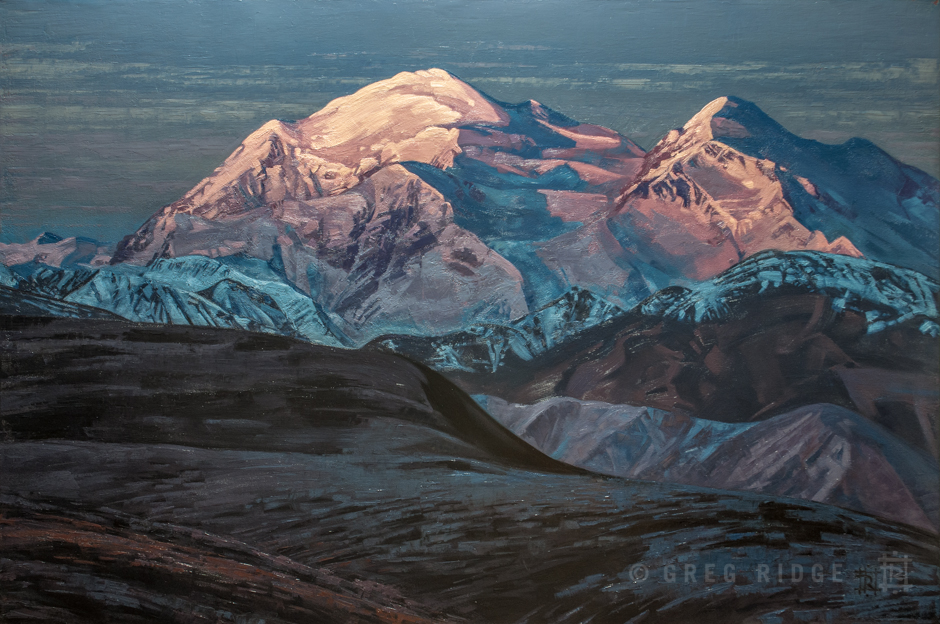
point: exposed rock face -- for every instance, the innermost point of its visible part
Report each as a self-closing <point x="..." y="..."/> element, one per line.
<point x="193" y="290"/>
<point x="732" y="181"/>
<point x="519" y="251"/>
<point x="388" y="255"/>
<point x="485" y="347"/>
<point x="770" y="355"/>
<point x="771" y="332"/>
<point x="408" y="117"/>
<point x="778" y="331"/>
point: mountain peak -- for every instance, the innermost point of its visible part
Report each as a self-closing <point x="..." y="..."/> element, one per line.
<point x="723" y="119"/>
<point x="48" y="238"/>
<point x="718" y="118"/>
<point x="700" y="123"/>
<point x="727" y="204"/>
<point x="400" y="107"/>
<point x="728" y="117"/>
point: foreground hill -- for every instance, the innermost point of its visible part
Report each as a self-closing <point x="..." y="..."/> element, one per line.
<point x="158" y="474"/>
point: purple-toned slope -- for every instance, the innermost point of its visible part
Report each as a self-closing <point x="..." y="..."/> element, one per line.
<point x="703" y="206"/>
<point x="822" y="453"/>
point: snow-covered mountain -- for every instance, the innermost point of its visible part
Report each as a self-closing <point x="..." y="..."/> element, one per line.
<point x="239" y="294"/>
<point x="854" y="190"/>
<point x="732" y="182"/>
<point x="880" y="294"/>
<point x="376" y="243"/>
<point x="484" y="347"/>
<point x="420" y="206"/>
<point x="738" y="308"/>
<point x="53" y="250"/>
<point x="703" y="206"/>
<point x="884" y="294"/>
<point x="15" y="302"/>
<point x="779" y="331"/>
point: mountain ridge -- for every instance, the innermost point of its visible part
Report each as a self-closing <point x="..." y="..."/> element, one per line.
<point x="816" y="452"/>
<point x="853" y="189"/>
<point x="515" y="203"/>
<point x="302" y="332"/>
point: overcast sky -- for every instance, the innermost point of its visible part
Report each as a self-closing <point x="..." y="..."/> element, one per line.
<point x="113" y="109"/>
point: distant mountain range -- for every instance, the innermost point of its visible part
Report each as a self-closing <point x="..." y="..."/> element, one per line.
<point x="797" y="374"/>
<point x="735" y="277"/>
<point x="877" y="294"/>
<point x="418" y="205"/>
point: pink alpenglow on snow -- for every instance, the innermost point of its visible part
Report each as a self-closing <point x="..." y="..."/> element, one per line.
<point x="418" y="204"/>
<point x="707" y="206"/>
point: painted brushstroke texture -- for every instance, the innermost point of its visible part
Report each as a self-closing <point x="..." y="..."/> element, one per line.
<point x="820" y="452"/>
<point x="884" y="295"/>
<point x="53" y="250"/>
<point x="419" y="206"/>
<point x="738" y="309"/>
<point x="421" y="188"/>
<point x="777" y="341"/>
<point x="114" y="108"/>
<point x="194" y="290"/>
<point x="482" y="347"/>
<point x="375" y="485"/>
<point x="145" y="576"/>
<point x="755" y="185"/>
<point x="815" y="327"/>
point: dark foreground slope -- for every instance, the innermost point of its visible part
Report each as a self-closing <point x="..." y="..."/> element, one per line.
<point x="190" y="475"/>
<point x="834" y="357"/>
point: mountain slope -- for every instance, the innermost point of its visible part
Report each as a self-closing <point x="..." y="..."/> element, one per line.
<point x="326" y="199"/>
<point x="239" y="294"/>
<point x="778" y="331"/>
<point x="263" y="478"/>
<point x="885" y="294"/>
<point x="19" y="303"/>
<point x="485" y="347"/>
<point x="732" y="182"/>
<point x="51" y="249"/>
<point x="705" y="206"/>
<point x="882" y="294"/>
<point x="888" y="209"/>
<point x="818" y="452"/>
<point x="420" y="206"/>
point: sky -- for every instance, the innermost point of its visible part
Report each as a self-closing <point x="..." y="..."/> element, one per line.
<point x="111" y="109"/>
